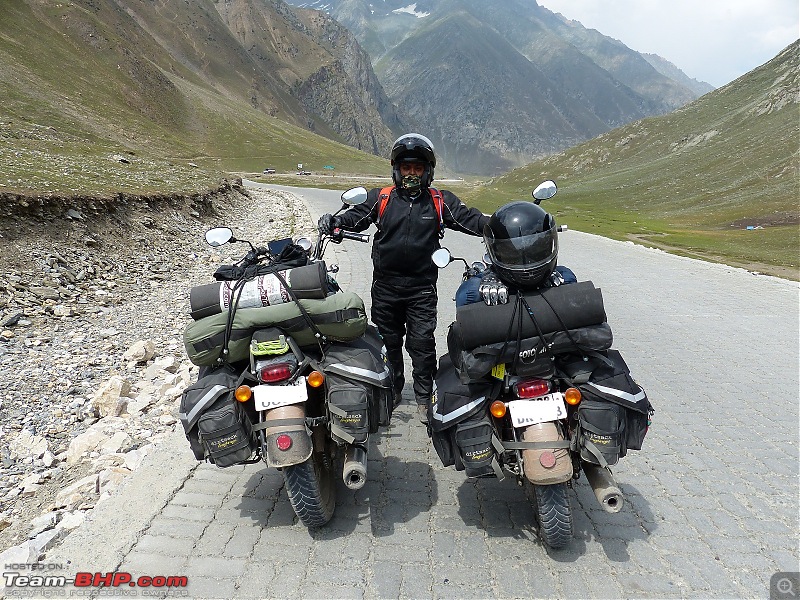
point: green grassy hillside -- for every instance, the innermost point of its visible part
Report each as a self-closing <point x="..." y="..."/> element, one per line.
<point x="82" y="86"/>
<point x="692" y="181"/>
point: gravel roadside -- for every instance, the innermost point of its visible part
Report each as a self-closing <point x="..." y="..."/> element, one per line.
<point x="83" y="293"/>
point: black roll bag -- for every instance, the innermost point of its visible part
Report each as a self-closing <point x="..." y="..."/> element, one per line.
<point x="528" y="357"/>
<point x="568" y="307"/>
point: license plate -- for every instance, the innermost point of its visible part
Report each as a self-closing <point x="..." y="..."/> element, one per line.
<point x="267" y="397"/>
<point x="537" y="410"/>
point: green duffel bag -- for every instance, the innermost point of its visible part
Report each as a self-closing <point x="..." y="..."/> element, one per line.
<point x="339" y="317"/>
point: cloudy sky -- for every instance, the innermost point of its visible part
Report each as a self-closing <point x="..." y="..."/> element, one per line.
<point x="714" y="41"/>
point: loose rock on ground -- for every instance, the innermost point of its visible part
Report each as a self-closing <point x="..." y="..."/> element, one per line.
<point x="92" y="365"/>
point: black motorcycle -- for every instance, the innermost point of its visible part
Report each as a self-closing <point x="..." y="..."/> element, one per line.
<point x="291" y="372"/>
<point x="532" y="389"/>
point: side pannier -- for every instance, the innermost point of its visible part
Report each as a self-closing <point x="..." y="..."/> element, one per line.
<point x="217" y="427"/>
<point x="359" y="379"/>
<point x="614" y="414"/>
<point x="457" y="425"/>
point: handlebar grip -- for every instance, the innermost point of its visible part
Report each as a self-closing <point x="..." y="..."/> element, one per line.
<point x="349" y="235"/>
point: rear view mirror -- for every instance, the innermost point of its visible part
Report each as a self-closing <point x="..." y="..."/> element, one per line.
<point x="218" y="236"/>
<point x="354" y="196"/>
<point x="545" y="191"/>
<point x="441" y="257"/>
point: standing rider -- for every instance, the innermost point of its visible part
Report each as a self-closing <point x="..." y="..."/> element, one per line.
<point x="410" y="218"/>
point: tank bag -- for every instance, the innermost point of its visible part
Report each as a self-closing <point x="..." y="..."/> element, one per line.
<point x="436" y="196"/>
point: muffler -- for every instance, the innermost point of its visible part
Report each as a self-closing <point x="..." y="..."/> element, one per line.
<point x="354" y="472"/>
<point x="605" y="488"/>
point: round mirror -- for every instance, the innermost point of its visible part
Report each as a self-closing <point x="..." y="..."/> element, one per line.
<point x="219" y="236"/>
<point x="355" y="196"/>
<point x="441" y="257"/>
<point x="545" y="190"/>
<point x="305" y="244"/>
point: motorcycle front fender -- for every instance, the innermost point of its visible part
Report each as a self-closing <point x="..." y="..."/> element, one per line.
<point x="300" y="448"/>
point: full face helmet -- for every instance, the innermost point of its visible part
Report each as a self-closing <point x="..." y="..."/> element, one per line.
<point x="413" y="147"/>
<point x="522" y="241"/>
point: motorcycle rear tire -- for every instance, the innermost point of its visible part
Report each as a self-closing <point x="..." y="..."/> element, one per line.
<point x="311" y="489"/>
<point x="554" y="514"/>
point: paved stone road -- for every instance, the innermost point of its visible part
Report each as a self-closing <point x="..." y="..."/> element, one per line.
<point x="711" y="502"/>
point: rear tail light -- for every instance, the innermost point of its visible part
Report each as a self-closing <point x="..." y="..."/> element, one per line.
<point x="275" y="372"/>
<point x="531" y="388"/>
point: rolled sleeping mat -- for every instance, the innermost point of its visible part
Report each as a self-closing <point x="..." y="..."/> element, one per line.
<point x="569" y="306"/>
<point x="309" y="282"/>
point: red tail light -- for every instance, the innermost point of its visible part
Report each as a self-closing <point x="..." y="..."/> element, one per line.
<point x="531" y="388"/>
<point x="275" y="372"/>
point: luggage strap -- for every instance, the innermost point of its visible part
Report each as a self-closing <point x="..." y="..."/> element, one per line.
<point x="594" y="451"/>
<point x="339" y="316"/>
<point x="536" y="445"/>
<point x="278" y="423"/>
<point x="317" y="333"/>
<point x="336" y="429"/>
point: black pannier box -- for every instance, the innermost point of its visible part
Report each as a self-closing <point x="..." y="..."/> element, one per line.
<point x="217" y="428"/>
<point x="615" y="412"/>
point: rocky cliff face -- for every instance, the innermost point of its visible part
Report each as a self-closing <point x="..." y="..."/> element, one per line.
<point x="322" y="66"/>
<point x="346" y="92"/>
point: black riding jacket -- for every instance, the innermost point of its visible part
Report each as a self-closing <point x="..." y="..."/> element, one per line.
<point x="408" y="233"/>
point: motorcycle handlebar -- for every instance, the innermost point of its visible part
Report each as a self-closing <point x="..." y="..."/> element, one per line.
<point x="349" y="235"/>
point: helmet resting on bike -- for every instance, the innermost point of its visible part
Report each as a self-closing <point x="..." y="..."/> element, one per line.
<point x="522" y="241"/>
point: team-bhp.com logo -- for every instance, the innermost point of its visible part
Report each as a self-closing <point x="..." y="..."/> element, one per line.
<point x="33" y="580"/>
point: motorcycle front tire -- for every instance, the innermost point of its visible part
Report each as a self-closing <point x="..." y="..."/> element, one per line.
<point x="554" y="514"/>
<point x="311" y="488"/>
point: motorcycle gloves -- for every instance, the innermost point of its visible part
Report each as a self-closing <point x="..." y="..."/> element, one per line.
<point x="327" y="223"/>
<point x="492" y="290"/>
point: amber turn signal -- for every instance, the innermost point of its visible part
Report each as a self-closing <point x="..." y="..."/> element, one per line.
<point x="243" y="393"/>
<point x="315" y="379"/>
<point x="498" y="409"/>
<point x="572" y="396"/>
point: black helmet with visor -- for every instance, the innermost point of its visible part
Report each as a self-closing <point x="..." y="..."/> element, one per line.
<point x="413" y="147"/>
<point x="522" y="242"/>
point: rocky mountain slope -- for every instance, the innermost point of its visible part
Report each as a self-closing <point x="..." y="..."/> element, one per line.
<point x="499" y="84"/>
<point x="92" y="313"/>
<point x="194" y="79"/>
<point x="716" y="179"/>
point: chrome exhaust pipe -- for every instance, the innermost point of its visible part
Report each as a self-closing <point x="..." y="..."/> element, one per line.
<point x="605" y="488"/>
<point x="354" y="472"/>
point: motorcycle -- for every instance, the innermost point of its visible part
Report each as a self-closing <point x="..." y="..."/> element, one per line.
<point x="542" y="398"/>
<point x="291" y="372"/>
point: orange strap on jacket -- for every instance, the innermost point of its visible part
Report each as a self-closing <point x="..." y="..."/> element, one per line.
<point x="436" y="196"/>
